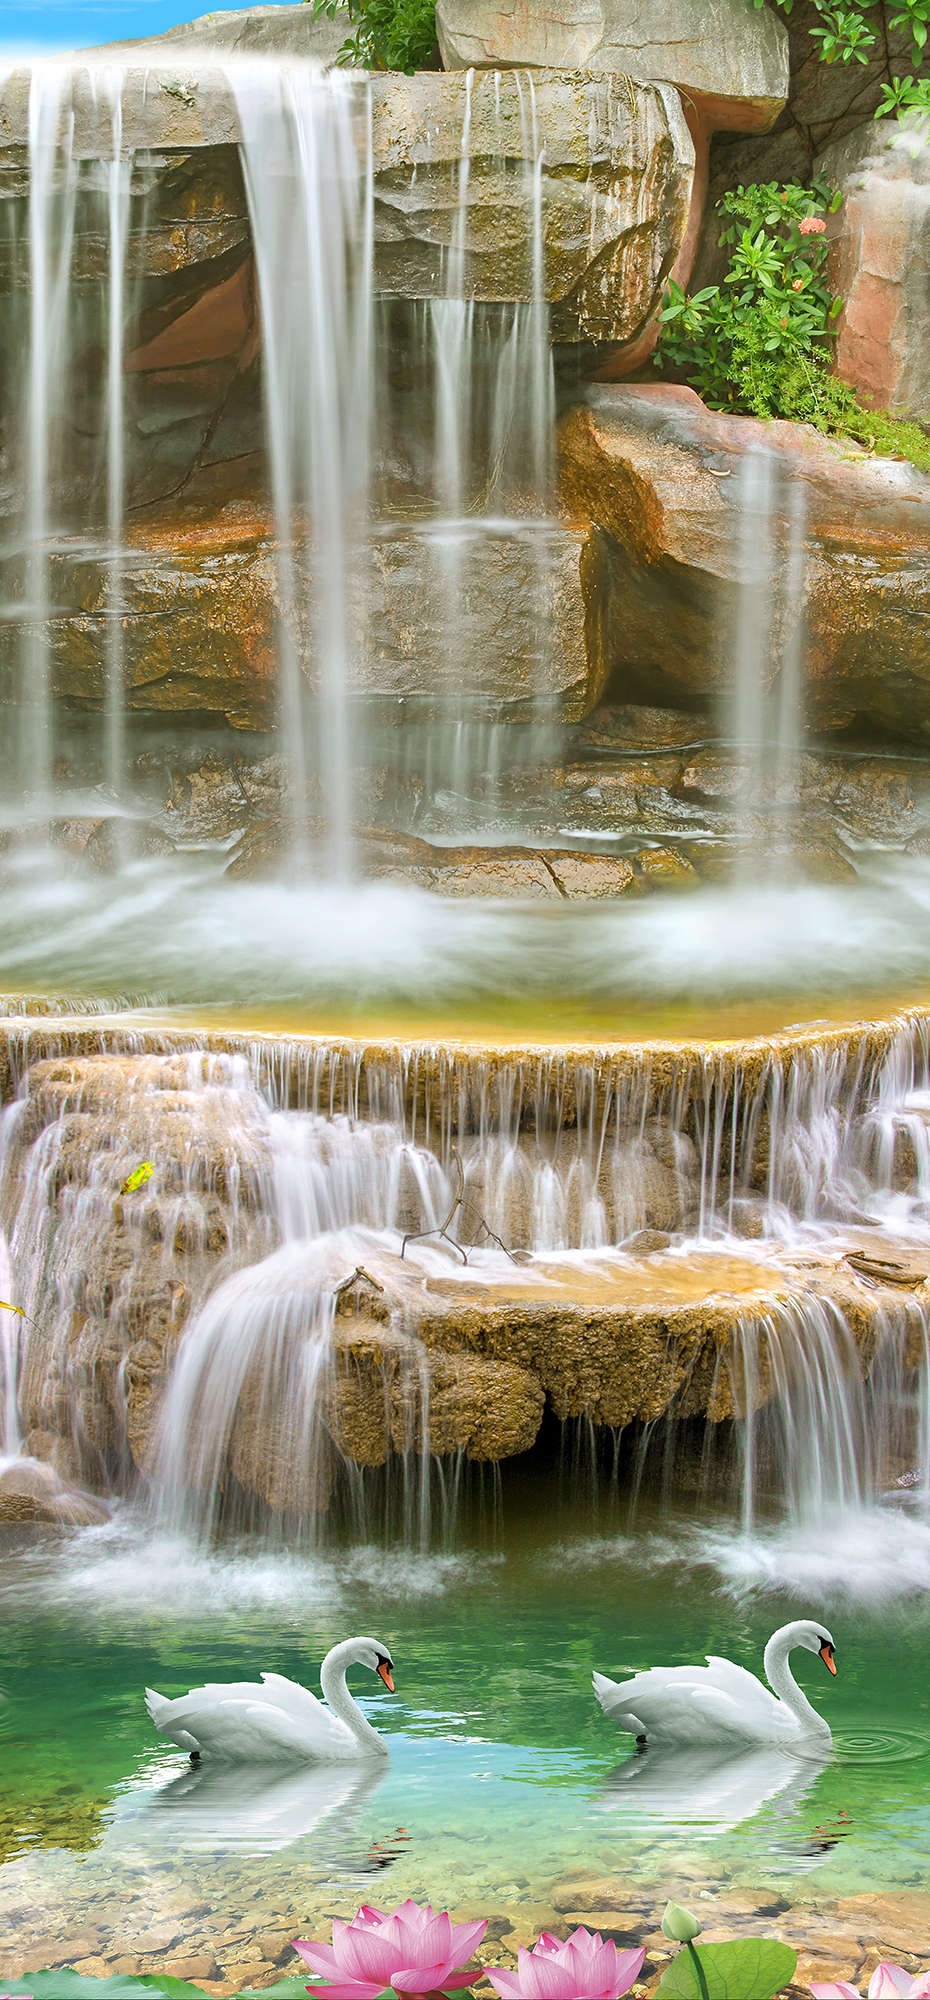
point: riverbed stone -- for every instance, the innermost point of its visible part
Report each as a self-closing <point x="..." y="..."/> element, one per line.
<point x="657" y="474"/>
<point x="880" y="260"/>
<point x="722" y="57"/>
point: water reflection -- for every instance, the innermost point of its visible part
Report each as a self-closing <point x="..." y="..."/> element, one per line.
<point x="709" y="1794"/>
<point x="262" y="1811"/>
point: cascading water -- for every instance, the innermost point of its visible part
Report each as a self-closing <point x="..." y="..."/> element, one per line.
<point x="766" y="703"/>
<point x="208" y="1308"/>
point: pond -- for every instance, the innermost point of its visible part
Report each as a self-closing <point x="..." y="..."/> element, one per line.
<point x="506" y="1788"/>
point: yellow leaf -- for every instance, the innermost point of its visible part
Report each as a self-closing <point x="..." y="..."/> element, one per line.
<point x="138" y="1178"/>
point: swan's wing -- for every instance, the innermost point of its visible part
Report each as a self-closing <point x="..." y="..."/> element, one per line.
<point x="296" y="1701"/>
<point x="745" y="1688"/>
<point x="686" y="1705"/>
<point x="242" y="1731"/>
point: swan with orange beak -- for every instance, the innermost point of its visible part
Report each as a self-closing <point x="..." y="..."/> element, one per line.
<point x="722" y="1703"/>
<point x="276" y="1720"/>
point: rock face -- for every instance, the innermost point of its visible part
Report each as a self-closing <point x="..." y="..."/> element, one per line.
<point x="731" y="62"/>
<point x="200" y="603"/>
<point x="615" y="192"/>
<point x="266" y="31"/>
<point x="827" y="101"/>
<point x="880" y="261"/>
<point x="658" y="475"/>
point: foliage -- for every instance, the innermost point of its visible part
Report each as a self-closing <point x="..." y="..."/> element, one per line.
<point x="849" y="33"/>
<point x="760" y="343"/>
<point x="391" y="34"/>
<point x="749" y="1969"/>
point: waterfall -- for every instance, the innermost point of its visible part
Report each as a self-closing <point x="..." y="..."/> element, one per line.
<point x="310" y="208"/>
<point x="766" y="699"/>
<point x="205" y="1333"/>
<point x="117" y="225"/>
<point x="52" y="190"/>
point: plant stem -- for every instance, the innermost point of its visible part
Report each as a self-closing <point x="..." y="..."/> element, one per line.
<point x="699" y="1969"/>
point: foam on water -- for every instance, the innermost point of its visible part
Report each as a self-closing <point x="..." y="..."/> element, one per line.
<point x="179" y="931"/>
<point x="857" y="1556"/>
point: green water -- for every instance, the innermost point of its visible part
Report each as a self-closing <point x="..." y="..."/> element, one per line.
<point x="504" y="1775"/>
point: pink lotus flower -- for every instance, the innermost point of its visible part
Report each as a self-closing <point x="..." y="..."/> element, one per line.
<point x="813" y="225"/>
<point x="888" y="1982"/>
<point x="583" y="1969"/>
<point x="410" y="1949"/>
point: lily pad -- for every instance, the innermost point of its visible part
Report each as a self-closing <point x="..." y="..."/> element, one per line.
<point x="746" y="1969"/>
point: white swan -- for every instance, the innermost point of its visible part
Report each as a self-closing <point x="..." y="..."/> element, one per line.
<point x="243" y="1722"/>
<point x="722" y="1703"/>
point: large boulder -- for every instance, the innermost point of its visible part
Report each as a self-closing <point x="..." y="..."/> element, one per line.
<point x="200" y="605"/>
<point x="657" y="473"/>
<point x="615" y="192"/>
<point x="880" y="260"/>
<point x="729" y="59"/>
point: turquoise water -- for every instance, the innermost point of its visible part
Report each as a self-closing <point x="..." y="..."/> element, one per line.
<point x="504" y="1775"/>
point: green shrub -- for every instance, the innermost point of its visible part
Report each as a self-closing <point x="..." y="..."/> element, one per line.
<point x="760" y="344"/>
<point x="850" y="33"/>
<point x="391" y="34"/>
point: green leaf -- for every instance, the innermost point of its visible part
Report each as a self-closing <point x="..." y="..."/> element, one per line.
<point x="748" y="1969"/>
<point x="68" y="1985"/>
<point x="294" y="1987"/>
<point x="174" y="1989"/>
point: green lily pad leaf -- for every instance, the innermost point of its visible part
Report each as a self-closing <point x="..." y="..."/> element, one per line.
<point x="747" y="1969"/>
<point x="68" y="1985"/>
<point x="294" y="1987"/>
<point x="173" y="1989"/>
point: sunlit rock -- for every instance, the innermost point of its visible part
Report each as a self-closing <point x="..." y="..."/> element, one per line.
<point x="725" y="58"/>
<point x="880" y="260"/>
<point x="660" y="477"/>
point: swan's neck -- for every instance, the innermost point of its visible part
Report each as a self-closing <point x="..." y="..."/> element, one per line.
<point x="343" y="1704"/>
<point x="781" y="1679"/>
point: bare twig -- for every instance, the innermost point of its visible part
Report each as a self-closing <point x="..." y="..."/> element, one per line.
<point x="466" y="1207"/>
<point x="359" y="1272"/>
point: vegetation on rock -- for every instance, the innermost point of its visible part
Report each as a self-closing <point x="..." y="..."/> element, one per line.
<point x="760" y="344"/>
<point x="391" y="34"/>
<point x="851" y="33"/>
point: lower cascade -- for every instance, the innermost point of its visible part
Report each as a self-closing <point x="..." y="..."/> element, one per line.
<point x="723" y="1287"/>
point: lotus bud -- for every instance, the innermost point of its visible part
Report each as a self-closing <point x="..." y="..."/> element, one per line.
<point x="679" y="1924"/>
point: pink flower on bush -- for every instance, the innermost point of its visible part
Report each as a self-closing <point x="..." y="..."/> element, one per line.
<point x="888" y="1982"/>
<point x="813" y="225"/>
<point x="409" y="1948"/>
<point x="583" y="1969"/>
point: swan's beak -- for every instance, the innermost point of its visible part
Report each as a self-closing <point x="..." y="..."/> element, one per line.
<point x="826" y="1654"/>
<point x="384" y="1670"/>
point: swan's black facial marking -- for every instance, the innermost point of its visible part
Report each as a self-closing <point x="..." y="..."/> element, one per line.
<point x="826" y="1654"/>
<point x="384" y="1668"/>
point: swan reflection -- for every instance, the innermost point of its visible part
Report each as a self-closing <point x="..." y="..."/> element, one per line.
<point x="709" y="1793"/>
<point x="262" y="1810"/>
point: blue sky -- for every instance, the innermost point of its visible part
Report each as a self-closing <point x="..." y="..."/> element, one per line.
<point x="39" y="25"/>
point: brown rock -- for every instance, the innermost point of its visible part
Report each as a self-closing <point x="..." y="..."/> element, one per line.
<point x="196" y="1965"/>
<point x="880" y="261"/>
<point x="640" y="463"/>
<point x="603" y="1892"/>
<point x="733" y="68"/>
<point x="665" y="868"/>
<point x="580" y="876"/>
